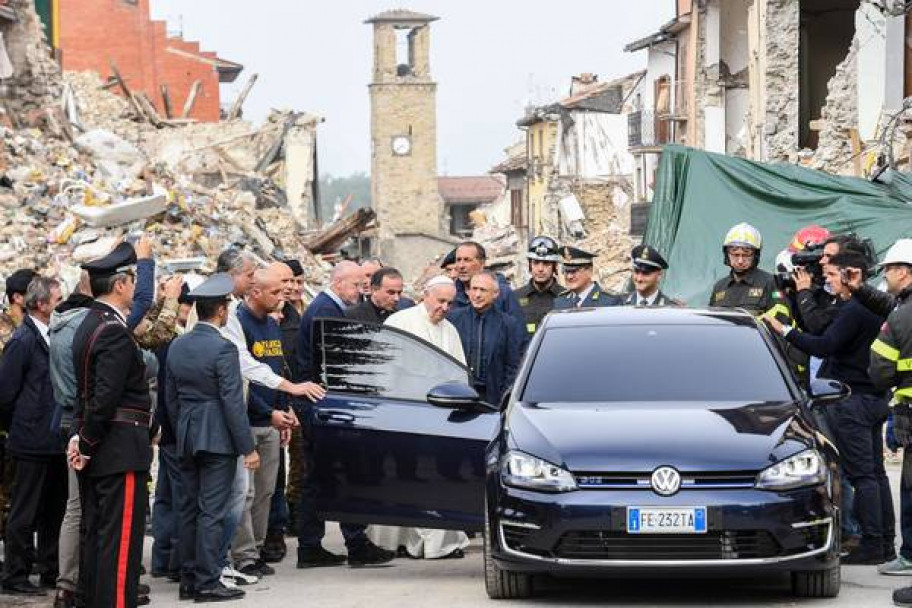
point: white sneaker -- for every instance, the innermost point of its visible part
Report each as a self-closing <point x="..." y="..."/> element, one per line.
<point x="228" y="582"/>
<point x="239" y="577"/>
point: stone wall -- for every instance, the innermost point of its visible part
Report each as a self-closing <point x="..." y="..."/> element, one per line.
<point x="36" y="82"/>
<point x="780" y="128"/>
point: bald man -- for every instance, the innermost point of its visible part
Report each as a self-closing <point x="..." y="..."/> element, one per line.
<point x="271" y="419"/>
<point x="344" y="291"/>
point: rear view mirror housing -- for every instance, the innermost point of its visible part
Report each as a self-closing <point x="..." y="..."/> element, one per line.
<point x="826" y="392"/>
<point x="458" y="396"/>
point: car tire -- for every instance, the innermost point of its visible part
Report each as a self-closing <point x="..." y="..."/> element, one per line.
<point x="821" y="583"/>
<point x="499" y="583"/>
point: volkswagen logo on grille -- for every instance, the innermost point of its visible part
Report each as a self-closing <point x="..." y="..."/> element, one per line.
<point x="665" y="481"/>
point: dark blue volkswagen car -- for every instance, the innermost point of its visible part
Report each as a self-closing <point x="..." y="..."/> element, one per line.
<point x="634" y="441"/>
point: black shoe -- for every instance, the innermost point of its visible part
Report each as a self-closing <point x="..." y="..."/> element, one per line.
<point x="220" y="593"/>
<point x="174" y="577"/>
<point x="64" y="599"/>
<point x="23" y="588"/>
<point x="369" y="554"/>
<point x="258" y="568"/>
<point x="864" y="556"/>
<point x="143" y="600"/>
<point x="143" y="589"/>
<point x="318" y="557"/>
<point x="48" y="581"/>
<point x="903" y="597"/>
<point x="274" y="548"/>
<point x="186" y="592"/>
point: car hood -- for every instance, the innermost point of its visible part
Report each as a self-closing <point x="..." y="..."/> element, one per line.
<point x="638" y="437"/>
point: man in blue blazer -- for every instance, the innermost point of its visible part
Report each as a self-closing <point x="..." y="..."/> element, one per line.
<point x="492" y="340"/>
<point x="344" y="291"/>
<point x="205" y="402"/>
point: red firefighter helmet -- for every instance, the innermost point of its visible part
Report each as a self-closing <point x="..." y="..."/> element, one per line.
<point x="809" y="235"/>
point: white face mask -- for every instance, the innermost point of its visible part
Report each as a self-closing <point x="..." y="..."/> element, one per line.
<point x="828" y="289"/>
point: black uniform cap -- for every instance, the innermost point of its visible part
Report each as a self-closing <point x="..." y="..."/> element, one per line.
<point x="647" y="258"/>
<point x="120" y="260"/>
<point x="18" y="282"/>
<point x="449" y="259"/>
<point x="218" y="286"/>
<point x="573" y="256"/>
<point x="296" y="268"/>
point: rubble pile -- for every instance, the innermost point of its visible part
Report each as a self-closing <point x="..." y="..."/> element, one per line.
<point x="196" y="188"/>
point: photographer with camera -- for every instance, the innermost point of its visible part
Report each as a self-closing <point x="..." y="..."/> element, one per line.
<point x="858" y="420"/>
<point x="811" y="247"/>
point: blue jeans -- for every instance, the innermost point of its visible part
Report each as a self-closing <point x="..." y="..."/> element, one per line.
<point x="235" y="510"/>
<point x="859" y="436"/>
<point x="166" y="512"/>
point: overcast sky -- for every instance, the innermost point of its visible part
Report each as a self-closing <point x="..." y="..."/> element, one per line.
<point x="489" y="58"/>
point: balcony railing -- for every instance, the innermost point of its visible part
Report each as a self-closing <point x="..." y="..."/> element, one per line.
<point x="645" y="129"/>
<point x="672" y="100"/>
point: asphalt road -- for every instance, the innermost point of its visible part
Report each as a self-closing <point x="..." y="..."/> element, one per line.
<point x="459" y="583"/>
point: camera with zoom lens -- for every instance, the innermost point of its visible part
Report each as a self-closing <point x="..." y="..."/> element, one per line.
<point x="807" y="259"/>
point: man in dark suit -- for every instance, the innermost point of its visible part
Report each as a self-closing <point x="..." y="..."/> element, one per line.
<point x="111" y="450"/>
<point x="205" y="401"/>
<point x="492" y="340"/>
<point x="470" y="260"/>
<point x="343" y="292"/>
<point x="385" y="293"/>
<point x="582" y="290"/>
<point x="648" y="269"/>
<point x="39" y="489"/>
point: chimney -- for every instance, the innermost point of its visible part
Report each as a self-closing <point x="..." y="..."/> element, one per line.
<point x="582" y="83"/>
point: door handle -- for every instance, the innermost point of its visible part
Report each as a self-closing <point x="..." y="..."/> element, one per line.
<point x="335" y="417"/>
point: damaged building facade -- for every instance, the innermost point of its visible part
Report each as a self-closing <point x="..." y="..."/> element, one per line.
<point x="572" y="175"/>
<point x="809" y="81"/>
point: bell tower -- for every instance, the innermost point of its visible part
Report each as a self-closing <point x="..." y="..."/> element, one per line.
<point x="404" y="142"/>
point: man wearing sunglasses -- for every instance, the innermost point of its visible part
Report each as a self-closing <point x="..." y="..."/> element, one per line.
<point x="582" y="290"/>
<point x="648" y="269"/>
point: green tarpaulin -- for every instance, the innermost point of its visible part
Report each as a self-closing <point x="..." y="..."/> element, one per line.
<point x="699" y="196"/>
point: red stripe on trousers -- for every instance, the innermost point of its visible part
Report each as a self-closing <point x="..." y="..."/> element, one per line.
<point x="126" y="527"/>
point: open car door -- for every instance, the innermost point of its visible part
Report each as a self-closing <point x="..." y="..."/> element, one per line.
<point x="383" y="454"/>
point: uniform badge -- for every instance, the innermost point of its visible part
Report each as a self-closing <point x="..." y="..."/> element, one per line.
<point x="719" y="295"/>
<point x="756" y="292"/>
<point x="524" y="301"/>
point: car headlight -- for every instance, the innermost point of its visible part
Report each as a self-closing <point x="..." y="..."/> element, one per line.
<point x="805" y="468"/>
<point x="523" y="471"/>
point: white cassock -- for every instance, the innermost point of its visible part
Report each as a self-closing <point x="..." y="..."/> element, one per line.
<point x="423" y="542"/>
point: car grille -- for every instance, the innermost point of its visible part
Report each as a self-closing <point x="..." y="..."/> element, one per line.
<point x="725" y="480"/>
<point x="743" y="544"/>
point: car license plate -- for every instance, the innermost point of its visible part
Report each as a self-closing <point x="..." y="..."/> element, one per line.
<point x="666" y="520"/>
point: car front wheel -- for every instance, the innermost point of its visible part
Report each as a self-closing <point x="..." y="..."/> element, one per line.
<point x="821" y="583"/>
<point x="499" y="583"/>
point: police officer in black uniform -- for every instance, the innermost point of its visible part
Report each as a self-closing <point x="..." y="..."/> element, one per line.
<point x="582" y="290"/>
<point x="111" y="449"/>
<point x="648" y="269"/>
<point x="536" y="298"/>
<point x="745" y="286"/>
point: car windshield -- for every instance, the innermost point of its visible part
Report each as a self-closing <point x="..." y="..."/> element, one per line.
<point x="654" y="363"/>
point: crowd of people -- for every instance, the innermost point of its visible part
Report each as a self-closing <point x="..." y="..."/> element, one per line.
<point x="213" y="376"/>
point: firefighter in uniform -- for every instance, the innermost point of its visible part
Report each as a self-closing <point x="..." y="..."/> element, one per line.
<point x="745" y="286"/>
<point x="648" y="269"/>
<point x="111" y="449"/>
<point x="536" y="298"/>
<point x="582" y="290"/>
<point x="891" y="368"/>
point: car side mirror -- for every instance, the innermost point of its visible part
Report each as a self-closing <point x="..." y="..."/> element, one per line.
<point x="457" y="396"/>
<point x="826" y="392"/>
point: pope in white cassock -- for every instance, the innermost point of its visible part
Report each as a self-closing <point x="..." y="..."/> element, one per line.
<point x="428" y="321"/>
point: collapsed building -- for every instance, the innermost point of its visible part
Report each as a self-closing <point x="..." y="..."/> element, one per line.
<point x="82" y="167"/>
<point x="814" y="82"/>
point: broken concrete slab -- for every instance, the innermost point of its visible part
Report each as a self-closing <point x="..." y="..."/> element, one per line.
<point x="119" y="214"/>
<point x="117" y="158"/>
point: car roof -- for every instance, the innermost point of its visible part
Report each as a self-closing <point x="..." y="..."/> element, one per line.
<point x="631" y="315"/>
